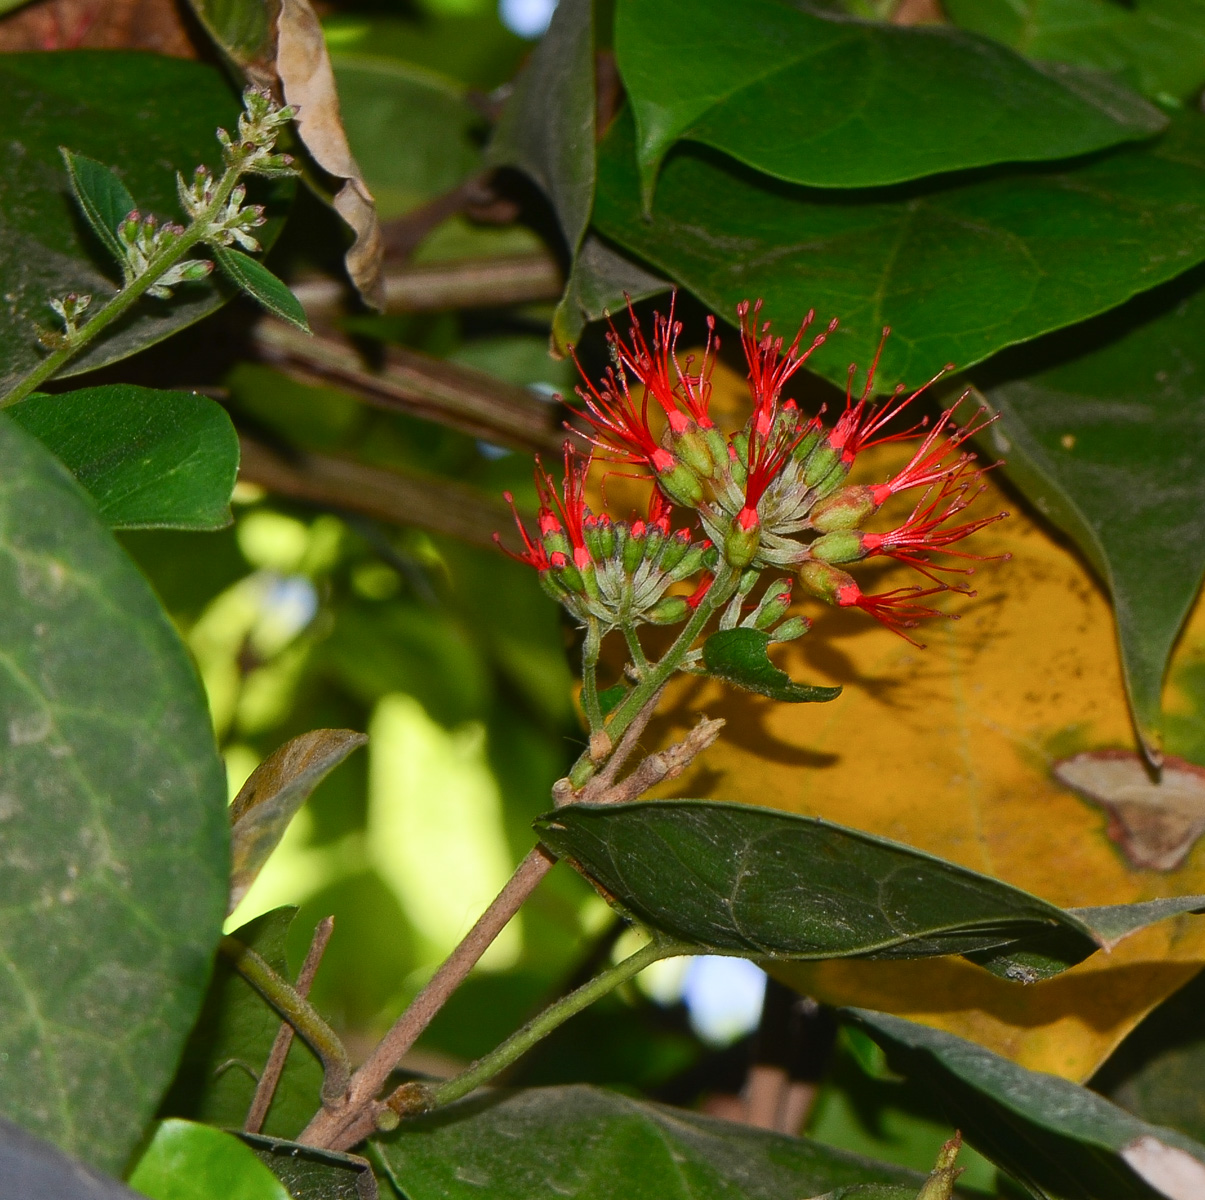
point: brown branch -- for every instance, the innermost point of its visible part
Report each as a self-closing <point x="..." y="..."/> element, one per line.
<point x="274" y="1067"/>
<point x="418" y="385"/>
<point x="593" y="790"/>
<point x="355" y="1117"/>
<point x="433" y="287"/>
<point x="426" y="502"/>
<point x="666" y="764"/>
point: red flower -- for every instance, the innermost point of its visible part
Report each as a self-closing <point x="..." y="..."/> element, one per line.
<point x="938" y="459"/>
<point x="897" y="610"/>
<point x="561" y="517"/>
<point x="926" y="530"/>
<point x="858" y="426"/>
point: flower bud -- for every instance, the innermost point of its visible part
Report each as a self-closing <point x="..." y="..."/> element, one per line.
<point x="773" y="606"/>
<point x="694" y="559"/>
<point x="674" y="550"/>
<point x="846" y="508"/>
<point x="823" y="581"/>
<point x="654" y="540"/>
<point x="681" y="485"/>
<point x="633" y="552"/>
<point x="840" y="546"/>
<point x="790" y="629"/>
<point x="669" y="611"/>
<point x="691" y="447"/>
<point x="820" y="463"/>
<point x="743" y="538"/>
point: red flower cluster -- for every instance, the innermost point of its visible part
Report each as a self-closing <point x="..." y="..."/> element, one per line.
<point x="773" y="494"/>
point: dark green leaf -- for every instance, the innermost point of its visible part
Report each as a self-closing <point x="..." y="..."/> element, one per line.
<point x="1060" y="1139"/>
<point x="1156" y="1072"/>
<point x="114" y="805"/>
<point x="958" y="269"/>
<point x="146" y="115"/>
<point x="32" y="1168"/>
<point x="1157" y="46"/>
<point x="600" y="282"/>
<point x="412" y="131"/>
<point x="232" y="1040"/>
<point x="843" y="104"/>
<point x="1112" y="414"/>
<point x="609" y="698"/>
<point x="738" y="656"/>
<point x="310" y="1174"/>
<point x="104" y="200"/>
<point x="252" y="277"/>
<point x="185" y="1161"/>
<point x="583" y="1143"/>
<point x="762" y="883"/>
<point x="245" y="31"/>
<point x="547" y="127"/>
<point x="269" y="800"/>
<point x="148" y="459"/>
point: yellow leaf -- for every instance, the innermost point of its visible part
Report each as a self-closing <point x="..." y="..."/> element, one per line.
<point x="950" y="749"/>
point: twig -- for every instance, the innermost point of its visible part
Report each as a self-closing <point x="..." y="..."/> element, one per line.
<point x="426" y="502"/>
<point x="274" y="1067"/>
<point x="418" y="385"/>
<point x="435" y="287"/>
<point x="355" y="1118"/>
<point x="299" y="1013"/>
<point x="667" y="764"/>
<point x="593" y="791"/>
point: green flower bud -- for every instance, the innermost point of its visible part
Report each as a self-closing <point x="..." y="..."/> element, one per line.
<point x="674" y="550"/>
<point x="691" y="447"/>
<point x="741" y="542"/>
<point x="790" y="629"/>
<point x="823" y="581"/>
<point x="820" y="463"/>
<point x="841" y="546"/>
<point x="633" y="552"/>
<point x="669" y="611"/>
<point x="693" y="559"/>
<point x="681" y="485"/>
<point x="773" y="606"/>
<point x="846" y="508"/>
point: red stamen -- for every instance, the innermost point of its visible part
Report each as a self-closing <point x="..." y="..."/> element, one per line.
<point x="897" y="610"/>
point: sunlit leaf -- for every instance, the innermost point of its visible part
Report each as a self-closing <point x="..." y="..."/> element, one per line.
<point x="1111" y="414"/>
<point x="149" y="459"/>
<point x="115" y="841"/>
<point x="847" y="104"/>
<point x="952" y="750"/>
<point x="958" y="268"/>
<point x="587" y="1144"/>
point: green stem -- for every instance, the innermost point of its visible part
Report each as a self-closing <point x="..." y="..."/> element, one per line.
<point x="127" y="296"/>
<point x="299" y="1013"/>
<point x="636" y="650"/>
<point x="659" y="672"/>
<point x="590" y="702"/>
<point x="498" y="1059"/>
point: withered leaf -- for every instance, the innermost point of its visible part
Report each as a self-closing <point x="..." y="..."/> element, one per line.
<point x="1155" y="823"/>
<point x="269" y="800"/>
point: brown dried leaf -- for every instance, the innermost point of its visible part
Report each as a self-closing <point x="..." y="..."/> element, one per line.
<point x="1155" y="822"/>
<point x="269" y="800"/>
<point x="154" y="25"/>
<point x="306" y="77"/>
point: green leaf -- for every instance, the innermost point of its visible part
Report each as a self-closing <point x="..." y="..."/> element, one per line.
<point x="312" y="1174"/>
<point x="269" y="800"/>
<point x="413" y="132"/>
<point x="738" y="656"/>
<point x="601" y="281"/>
<point x="1158" y="45"/>
<point x="245" y="32"/>
<point x="584" y="1143"/>
<point x="547" y="127"/>
<point x="757" y="882"/>
<point x="1111" y="412"/>
<point x="104" y="200"/>
<point x="843" y="104"/>
<point x="197" y="1162"/>
<point x="232" y="1040"/>
<point x="252" y="277"/>
<point x="147" y="115"/>
<point x="959" y="269"/>
<point x="148" y="459"/>
<point x="1059" y="1139"/>
<point x="114" y="805"/>
<point x="33" y="1168"/>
